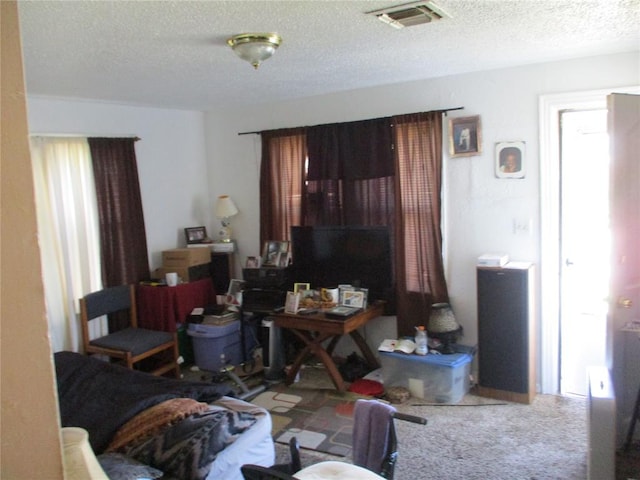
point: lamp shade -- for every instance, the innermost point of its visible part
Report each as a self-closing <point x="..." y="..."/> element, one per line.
<point x="443" y="325"/>
<point x="225" y="207"/>
<point x="442" y="319"/>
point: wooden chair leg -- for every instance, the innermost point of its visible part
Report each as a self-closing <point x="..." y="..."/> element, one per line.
<point x="129" y="361"/>
<point x="176" y="355"/>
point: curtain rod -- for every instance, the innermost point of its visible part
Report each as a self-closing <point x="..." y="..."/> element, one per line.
<point x="444" y="110"/>
<point x="84" y="135"/>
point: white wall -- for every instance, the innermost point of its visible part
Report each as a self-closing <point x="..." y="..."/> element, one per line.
<point x="171" y="159"/>
<point x="480" y="208"/>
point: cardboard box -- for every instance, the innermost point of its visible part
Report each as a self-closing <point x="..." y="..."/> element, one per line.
<point x="185" y="274"/>
<point x="435" y="378"/>
<point x="186" y="257"/>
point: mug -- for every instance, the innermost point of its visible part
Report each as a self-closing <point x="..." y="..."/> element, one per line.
<point x="172" y="279"/>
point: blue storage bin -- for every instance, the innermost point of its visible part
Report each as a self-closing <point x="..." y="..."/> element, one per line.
<point x="435" y="378"/>
<point x="211" y="341"/>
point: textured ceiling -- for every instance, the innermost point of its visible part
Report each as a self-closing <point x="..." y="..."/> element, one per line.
<point x="173" y="53"/>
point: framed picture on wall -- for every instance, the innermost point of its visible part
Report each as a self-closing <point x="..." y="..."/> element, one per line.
<point x="465" y="136"/>
<point x="510" y="160"/>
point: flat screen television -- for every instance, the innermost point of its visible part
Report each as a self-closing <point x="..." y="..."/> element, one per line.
<point x="327" y="256"/>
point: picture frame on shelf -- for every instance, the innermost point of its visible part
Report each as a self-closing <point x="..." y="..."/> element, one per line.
<point x="284" y="260"/>
<point x="465" y="136"/>
<point x="510" y="159"/>
<point x="196" y="235"/>
<point x="272" y="252"/>
<point x="252" y="262"/>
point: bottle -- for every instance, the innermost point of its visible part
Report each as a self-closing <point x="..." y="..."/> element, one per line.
<point x="421" y="341"/>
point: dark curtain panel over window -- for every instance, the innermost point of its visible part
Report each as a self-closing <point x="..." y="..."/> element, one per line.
<point x="282" y="171"/>
<point x="421" y="281"/>
<point x="350" y="174"/>
<point x="351" y="151"/>
<point x="122" y="233"/>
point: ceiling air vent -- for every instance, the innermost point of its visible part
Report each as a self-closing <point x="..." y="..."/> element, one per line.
<point x="410" y="14"/>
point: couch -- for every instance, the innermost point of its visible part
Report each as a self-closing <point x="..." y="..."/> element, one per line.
<point x="185" y="430"/>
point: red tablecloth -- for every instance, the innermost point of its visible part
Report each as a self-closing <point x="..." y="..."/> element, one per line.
<point x="162" y="308"/>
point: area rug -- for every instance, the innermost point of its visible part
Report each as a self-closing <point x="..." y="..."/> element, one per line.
<point x="321" y="419"/>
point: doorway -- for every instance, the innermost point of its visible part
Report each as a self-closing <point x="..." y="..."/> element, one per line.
<point x="550" y="110"/>
<point x="584" y="245"/>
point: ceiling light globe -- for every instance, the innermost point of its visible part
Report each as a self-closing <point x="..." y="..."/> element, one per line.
<point x="255" y="47"/>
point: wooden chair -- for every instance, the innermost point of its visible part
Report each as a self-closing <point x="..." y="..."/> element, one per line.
<point x="129" y="345"/>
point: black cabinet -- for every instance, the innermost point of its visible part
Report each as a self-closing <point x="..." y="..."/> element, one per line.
<point x="506" y="348"/>
<point x="221" y="271"/>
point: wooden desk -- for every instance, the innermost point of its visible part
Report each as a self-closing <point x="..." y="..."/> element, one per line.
<point x="314" y="329"/>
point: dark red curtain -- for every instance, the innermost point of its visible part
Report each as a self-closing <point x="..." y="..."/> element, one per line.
<point x="421" y="280"/>
<point x="123" y="239"/>
<point x="282" y="172"/>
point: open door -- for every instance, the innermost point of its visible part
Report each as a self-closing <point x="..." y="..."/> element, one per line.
<point x="623" y="329"/>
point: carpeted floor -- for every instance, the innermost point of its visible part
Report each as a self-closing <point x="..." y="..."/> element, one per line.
<point x="481" y="438"/>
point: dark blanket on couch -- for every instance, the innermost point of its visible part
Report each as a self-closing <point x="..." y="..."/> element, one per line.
<point x="101" y="397"/>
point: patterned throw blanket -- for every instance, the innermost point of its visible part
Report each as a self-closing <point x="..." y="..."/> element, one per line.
<point x="154" y="420"/>
<point x="182" y="447"/>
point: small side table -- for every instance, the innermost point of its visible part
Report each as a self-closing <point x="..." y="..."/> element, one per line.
<point x="314" y="329"/>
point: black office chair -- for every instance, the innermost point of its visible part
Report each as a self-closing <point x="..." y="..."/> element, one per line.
<point x="131" y="344"/>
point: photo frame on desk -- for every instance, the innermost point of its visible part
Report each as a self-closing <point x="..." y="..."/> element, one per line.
<point x="292" y="303"/>
<point x="300" y="287"/>
<point x="234" y="293"/>
<point x="354" y="298"/>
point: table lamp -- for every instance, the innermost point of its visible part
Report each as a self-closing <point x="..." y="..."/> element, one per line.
<point x="224" y="210"/>
<point x="443" y="326"/>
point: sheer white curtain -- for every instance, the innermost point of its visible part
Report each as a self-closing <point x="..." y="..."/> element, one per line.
<point x="68" y="234"/>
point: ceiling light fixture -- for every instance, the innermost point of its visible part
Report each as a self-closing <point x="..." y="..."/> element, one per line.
<point x="255" y="47"/>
